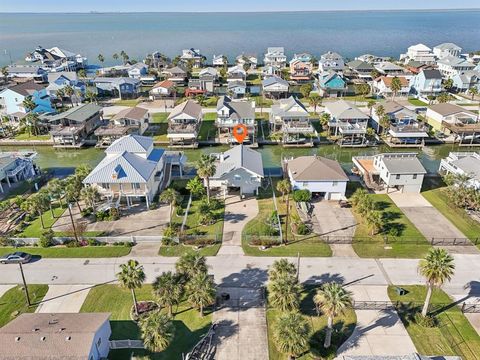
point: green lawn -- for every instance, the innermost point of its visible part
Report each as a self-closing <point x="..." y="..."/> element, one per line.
<point x="469" y="227"/>
<point x="127" y="102"/>
<point x="261" y="101"/>
<point x="343" y="328"/>
<point x="158" y="118"/>
<point x="410" y="244"/>
<point x="189" y="326"/>
<point x="26" y="136"/>
<point x="208" y="130"/>
<point x="35" y="229"/>
<point x="211" y="101"/>
<point x="416" y="102"/>
<point x="64" y="252"/>
<point x="453" y="336"/>
<point x="13" y="302"/>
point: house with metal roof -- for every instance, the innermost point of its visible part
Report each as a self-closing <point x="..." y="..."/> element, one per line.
<point x="466" y="80"/>
<point x="446" y="49"/>
<point x="275" y="87"/>
<point x="250" y="60"/>
<point x="17" y="166"/>
<point x="382" y="86"/>
<point x="237" y="89"/>
<point x="177" y="74"/>
<point x="361" y="68"/>
<point x="239" y="169"/>
<point x="275" y="56"/>
<point x="194" y="56"/>
<point x="463" y="163"/>
<point x="418" y="52"/>
<point x="184" y="123"/>
<point x="331" y="84"/>
<point x="132" y="170"/>
<point x="319" y="175"/>
<point x="231" y="113"/>
<point x="121" y="87"/>
<point x="400" y="171"/>
<point x="301" y="68"/>
<point x="450" y="66"/>
<point x="331" y="61"/>
<point x="219" y="60"/>
<point x="426" y="83"/>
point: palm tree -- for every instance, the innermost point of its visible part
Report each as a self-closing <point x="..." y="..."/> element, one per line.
<point x="31" y="121"/>
<point x="437" y="267"/>
<point x="332" y="299"/>
<point x="90" y="96"/>
<point x="60" y="94"/>
<point x="325" y="119"/>
<point x="206" y="168"/>
<point x="69" y="91"/>
<point x="115" y="56"/>
<point x="90" y="195"/>
<point x="358" y="197"/>
<point x="201" y="290"/>
<point x="448" y="84"/>
<point x="284" y="293"/>
<point x="101" y="58"/>
<point x="473" y="91"/>
<point x="385" y="123"/>
<point x="167" y="288"/>
<point x="305" y="90"/>
<point x="370" y="105"/>
<point x="157" y="331"/>
<point x="375" y="221"/>
<point x="55" y="189"/>
<point x="45" y="192"/>
<point x="170" y="196"/>
<point x="82" y="74"/>
<point x="374" y="74"/>
<point x="281" y="269"/>
<point x="396" y="86"/>
<point x="28" y="104"/>
<point x="284" y="187"/>
<point x="195" y="186"/>
<point x="380" y="111"/>
<point x="291" y="333"/>
<point x="315" y="100"/>
<point x="131" y="276"/>
<point x="443" y="98"/>
<point x="190" y="264"/>
<point x="5" y="73"/>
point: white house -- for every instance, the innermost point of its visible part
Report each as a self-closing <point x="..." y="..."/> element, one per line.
<point x="331" y="61"/>
<point x="17" y="166"/>
<point x="453" y="120"/>
<point x="231" y="113"/>
<point x="450" y="66"/>
<point x="184" y="122"/>
<point x="244" y="59"/>
<point x="275" y="87"/>
<point x="219" y="60"/>
<point x="194" y="56"/>
<point x="138" y="70"/>
<point x="447" y="49"/>
<point x="275" y="56"/>
<point x="236" y="73"/>
<point x="162" y="88"/>
<point x="319" y="175"/>
<point x="57" y="336"/>
<point x="348" y="122"/>
<point x="425" y="83"/>
<point x="382" y="86"/>
<point x="419" y="52"/>
<point x="463" y="163"/>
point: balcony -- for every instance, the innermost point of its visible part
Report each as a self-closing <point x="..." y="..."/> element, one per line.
<point x="182" y="128"/>
<point x="347" y="128"/>
<point x="460" y="126"/>
<point x="298" y="127"/>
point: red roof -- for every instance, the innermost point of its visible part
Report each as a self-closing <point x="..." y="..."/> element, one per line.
<point x="167" y="84"/>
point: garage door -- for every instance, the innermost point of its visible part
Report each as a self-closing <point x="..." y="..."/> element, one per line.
<point x="335" y="196"/>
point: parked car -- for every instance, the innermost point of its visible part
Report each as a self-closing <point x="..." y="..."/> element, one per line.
<point x="15" y="258"/>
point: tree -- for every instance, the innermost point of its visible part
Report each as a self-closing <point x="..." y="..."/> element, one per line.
<point x="115" y="56"/>
<point x="206" y="168"/>
<point x="31" y="122"/>
<point x="157" y="331"/>
<point x="5" y="73"/>
<point x="284" y="293"/>
<point x="305" y="90"/>
<point x="370" y="105"/>
<point x="291" y="333"/>
<point x="375" y="221"/>
<point x="396" y="86"/>
<point x="167" y="289"/>
<point x="90" y="195"/>
<point x="284" y="187"/>
<point x="82" y="74"/>
<point x="60" y="94"/>
<point x="101" y="58"/>
<point x="448" y="84"/>
<point x="90" y="96"/>
<point x="131" y="276"/>
<point x="385" y="123"/>
<point x="281" y="269"/>
<point x="374" y="74"/>
<point x="55" y="188"/>
<point x="195" y="186"/>
<point x="358" y="196"/>
<point x="380" y="111"/>
<point x="28" y="104"/>
<point x="325" y="119"/>
<point x="201" y="291"/>
<point x="315" y="100"/>
<point x="170" y="196"/>
<point x="473" y="91"/>
<point x="302" y="195"/>
<point x="443" y="98"/>
<point x="69" y="91"/>
<point x="191" y="264"/>
<point x="437" y="267"/>
<point x="332" y="299"/>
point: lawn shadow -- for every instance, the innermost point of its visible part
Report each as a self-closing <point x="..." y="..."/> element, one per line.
<point x="382" y="205"/>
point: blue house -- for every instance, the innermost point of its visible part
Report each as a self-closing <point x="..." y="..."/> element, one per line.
<point x="122" y="87"/>
<point x="331" y="84"/>
<point x="426" y="83"/>
<point x="60" y="80"/>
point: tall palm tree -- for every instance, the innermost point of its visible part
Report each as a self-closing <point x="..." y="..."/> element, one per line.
<point x="131" y="276"/>
<point x="101" y="58"/>
<point x="375" y="221"/>
<point x="206" y="168"/>
<point x="332" y="299"/>
<point x="284" y="187"/>
<point x="90" y="195"/>
<point x="28" y="104"/>
<point x="284" y="293"/>
<point x="69" y="91"/>
<point x="437" y="267"/>
<point x="170" y="196"/>
<point x="167" y="288"/>
<point x="385" y="123"/>
<point x="370" y="105"/>
<point x="31" y="120"/>
<point x="195" y="186"/>
<point x="60" y="94"/>
<point x="281" y="269"/>
<point x="443" y="98"/>
<point x="55" y="188"/>
<point x="291" y="333"/>
<point x="90" y="96"/>
<point x="380" y="111"/>
<point x="189" y="264"/>
<point x="448" y="84"/>
<point x="5" y="73"/>
<point x="315" y="100"/>
<point x="82" y="74"/>
<point x="201" y="291"/>
<point x="157" y="331"/>
<point x="396" y="86"/>
<point x="473" y="91"/>
<point x="115" y="56"/>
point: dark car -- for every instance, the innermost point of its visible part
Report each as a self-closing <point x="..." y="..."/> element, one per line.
<point x="15" y="258"/>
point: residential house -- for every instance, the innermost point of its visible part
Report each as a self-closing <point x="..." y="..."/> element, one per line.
<point x="321" y="176"/>
<point x="404" y="129"/>
<point x="300" y="69"/>
<point x="194" y="56"/>
<point x="361" y="68"/>
<point x="72" y="127"/>
<point x="161" y="89"/>
<point x="60" y="80"/>
<point x="244" y="60"/>
<point x="57" y="59"/>
<point x="138" y="70"/>
<point x="382" y="87"/>
<point x="239" y="169"/>
<point x="463" y="164"/>
<point x="237" y="89"/>
<point x="122" y="87"/>
<point x="184" y="123"/>
<point x="231" y="113"/>
<point x="373" y="59"/>
<point x="331" y="61"/>
<point x="157" y="60"/>
<point x="419" y="52"/>
<point x="347" y="122"/>
<point x="129" y="121"/>
<point x="17" y="166"/>
<point x="291" y="118"/>
<point x="275" y="87"/>
<point x="415" y="67"/>
<point x="209" y="71"/>
<point x="205" y="84"/>
<point x="400" y="171"/>
<point x="466" y="80"/>
<point x="35" y="72"/>
<point x="57" y="336"/>
<point x="447" y="49"/>
<point x="114" y="71"/>
<point x="177" y="74"/>
<point x="219" y="60"/>
<point x="271" y="70"/>
<point x="388" y="68"/>
<point x="331" y="84"/>
<point x="275" y="56"/>
<point x="236" y="73"/>
<point x="131" y="170"/>
<point x="450" y="66"/>
<point x="426" y="83"/>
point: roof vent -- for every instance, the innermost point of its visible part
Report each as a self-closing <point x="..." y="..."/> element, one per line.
<point x="52" y="322"/>
<point x="43" y="338"/>
<point x="17" y="338"/>
<point x="35" y="329"/>
<point x="61" y="329"/>
<point x="68" y="338"/>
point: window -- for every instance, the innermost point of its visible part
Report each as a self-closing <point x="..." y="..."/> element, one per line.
<point x="387" y="174"/>
<point x="334" y="183"/>
<point x="305" y="184"/>
<point x="414" y="176"/>
<point x="99" y="342"/>
<point x="237" y="177"/>
<point x="136" y="186"/>
<point x="105" y="185"/>
<point x="397" y="177"/>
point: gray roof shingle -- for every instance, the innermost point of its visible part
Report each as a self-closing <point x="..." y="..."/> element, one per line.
<point x="240" y="156"/>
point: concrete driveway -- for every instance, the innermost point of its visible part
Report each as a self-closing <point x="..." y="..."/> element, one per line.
<point x="378" y="332"/>
<point x="5" y="288"/>
<point x="63" y="299"/>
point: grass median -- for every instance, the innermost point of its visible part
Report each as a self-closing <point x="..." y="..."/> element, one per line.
<point x="13" y="302"/>
<point x="73" y="252"/>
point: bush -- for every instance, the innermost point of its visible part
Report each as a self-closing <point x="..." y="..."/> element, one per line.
<point x="168" y="241"/>
<point x="46" y="240"/>
<point x="271" y="231"/>
<point x="153" y="206"/>
<point x="302" y="195"/>
<point x="263" y="242"/>
<point x="426" y="321"/>
<point x="179" y="211"/>
<point x="302" y="229"/>
<point x="86" y="212"/>
<point x="394" y="231"/>
<point x="73" y="244"/>
<point x="4" y="241"/>
<point x="273" y="219"/>
<point x="171" y="230"/>
<point x="93" y="242"/>
<point x="114" y="214"/>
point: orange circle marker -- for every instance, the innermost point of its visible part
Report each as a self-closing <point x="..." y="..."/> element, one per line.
<point x="240" y="132"/>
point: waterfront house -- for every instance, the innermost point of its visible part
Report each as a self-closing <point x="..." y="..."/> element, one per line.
<point x="400" y="171"/>
<point x="237" y="89"/>
<point x="132" y="169"/>
<point x="57" y="59"/>
<point x="184" y="122"/>
<point x="192" y="56"/>
<point x="347" y="122"/>
<point x="388" y="68"/>
<point x="11" y="100"/>
<point x="275" y="56"/>
<point x="60" y="80"/>
<point x="447" y="49"/>
<point x="361" y="69"/>
<point x="72" y="127"/>
<point x="415" y="67"/>
<point x="331" y="84"/>
<point x="275" y="87"/>
<point x="236" y="73"/>
<point x="271" y="70"/>
<point x="331" y="61"/>
<point x="404" y="129"/>
<point x="205" y="84"/>
<point x="128" y="121"/>
<point x="450" y="66"/>
<point x="235" y="112"/>
<point x="373" y="59"/>
<point x="157" y="60"/>
<point x="35" y="72"/>
<point x="463" y="164"/>
<point x="114" y="71"/>
<point x="249" y="60"/>
<point x="382" y="87"/>
<point x="161" y="89"/>
<point x="122" y="87"/>
<point x="426" y="83"/>
<point x="291" y="118"/>
<point x="17" y="166"/>
<point x="57" y="336"/>
<point x="208" y="72"/>
<point x="466" y="80"/>
<point x="321" y="176"/>
<point x="138" y="70"/>
<point x="239" y="169"/>
<point x="219" y="60"/>
<point x="177" y="74"/>
<point x="300" y="68"/>
<point x="419" y="52"/>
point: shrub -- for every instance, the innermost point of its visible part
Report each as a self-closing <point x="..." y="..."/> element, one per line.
<point x="73" y="244"/>
<point x="4" y="241"/>
<point x="394" y="231"/>
<point x="168" y="241"/>
<point x="426" y="321"/>
<point x="263" y="242"/>
<point x="207" y="218"/>
<point x="86" y="212"/>
<point x="179" y="211"/>
<point x="271" y="231"/>
<point x="273" y="219"/>
<point x="171" y="230"/>
<point x="302" y="195"/>
<point x="46" y="240"/>
<point x="92" y="242"/>
<point x="302" y="229"/>
<point x="153" y="206"/>
<point x="114" y="214"/>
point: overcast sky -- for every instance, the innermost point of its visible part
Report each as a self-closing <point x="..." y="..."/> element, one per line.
<point x="225" y="5"/>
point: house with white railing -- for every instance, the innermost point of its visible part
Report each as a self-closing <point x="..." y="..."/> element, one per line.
<point x="16" y="167"/>
<point x="463" y="163"/>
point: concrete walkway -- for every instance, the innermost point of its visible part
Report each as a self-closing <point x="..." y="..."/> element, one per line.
<point x="237" y="214"/>
<point x="63" y="299"/>
<point x="5" y="288"/>
<point x="378" y="332"/>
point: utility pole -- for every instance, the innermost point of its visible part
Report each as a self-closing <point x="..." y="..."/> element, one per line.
<point x="287" y="219"/>
<point x="298" y="265"/>
<point x="73" y="223"/>
<point x="24" y="284"/>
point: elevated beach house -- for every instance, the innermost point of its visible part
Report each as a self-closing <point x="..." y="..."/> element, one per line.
<point x="466" y="80"/>
<point x="236" y="73"/>
<point x="165" y="88"/>
<point x="128" y="121"/>
<point x="247" y="60"/>
<point x="132" y="170"/>
<point x="17" y="166"/>
<point x="176" y="74"/>
<point x="22" y="72"/>
<point x="418" y="52"/>
<point x="321" y="176"/>
<point x="331" y="61"/>
<point x="464" y="164"/>
<point x="192" y="56"/>
<point x="400" y="171"/>
<point x="360" y="69"/>
<point x="121" y="87"/>
<point x="72" y="127"/>
<point x="239" y="169"/>
<point x="235" y="112"/>
<point x="331" y="84"/>
<point x="382" y="87"/>
<point x="291" y="118"/>
<point x="451" y="65"/>
<point x="184" y="123"/>
<point x="447" y="49"/>
<point x="301" y="68"/>
<point x="275" y="56"/>
<point x="60" y="80"/>
<point x="275" y="87"/>
<point x="347" y="122"/>
<point x="426" y="83"/>
<point x="219" y="60"/>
